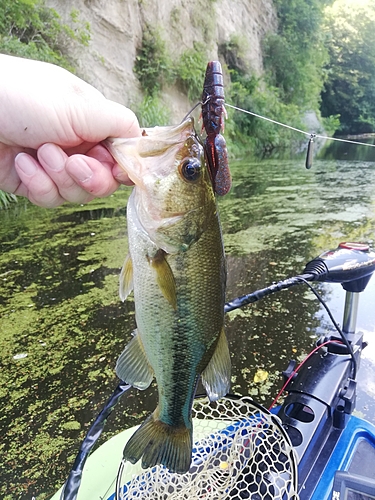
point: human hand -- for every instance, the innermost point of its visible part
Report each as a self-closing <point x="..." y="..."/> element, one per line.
<point x="51" y="127"/>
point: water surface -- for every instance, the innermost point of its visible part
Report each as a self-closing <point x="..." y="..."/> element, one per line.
<point x="63" y="325"/>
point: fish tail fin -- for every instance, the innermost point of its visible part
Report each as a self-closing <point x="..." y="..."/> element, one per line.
<point x="159" y="443"/>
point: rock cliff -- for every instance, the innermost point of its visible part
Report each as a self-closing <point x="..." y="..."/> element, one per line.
<point x="116" y="34"/>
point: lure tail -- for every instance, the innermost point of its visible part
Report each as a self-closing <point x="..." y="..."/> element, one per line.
<point x="217" y="159"/>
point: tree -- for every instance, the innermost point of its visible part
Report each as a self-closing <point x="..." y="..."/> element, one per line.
<point x="295" y="55"/>
<point x="350" y="85"/>
<point x="28" y="28"/>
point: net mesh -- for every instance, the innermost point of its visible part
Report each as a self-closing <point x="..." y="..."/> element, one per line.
<point x="240" y="451"/>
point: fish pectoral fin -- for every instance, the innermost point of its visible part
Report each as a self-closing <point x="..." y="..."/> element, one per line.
<point x="126" y="278"/>
<point x="164" y="277"/>
<point x="159" y="443"/>
<point x="216" y="375"/>
<point x="133" y="367"/>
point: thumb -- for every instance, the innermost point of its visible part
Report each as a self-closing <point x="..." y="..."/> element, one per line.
<point x="104" y="118"/>
<point x="122" y="122"/>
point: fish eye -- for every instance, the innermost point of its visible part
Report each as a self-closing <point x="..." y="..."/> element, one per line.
<point x="191" y="169"/>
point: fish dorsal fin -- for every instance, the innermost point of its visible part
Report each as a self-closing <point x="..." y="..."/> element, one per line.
<point x="164" y="277"/>
<point x="133" y="367"/>
<point x="126" y="278"/>
<point x="216" y="376"/>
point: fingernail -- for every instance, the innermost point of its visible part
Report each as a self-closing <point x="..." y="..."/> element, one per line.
<point x="52" y="157"/>
<point x="80" y="170"/>
<point x="26" y="164"/>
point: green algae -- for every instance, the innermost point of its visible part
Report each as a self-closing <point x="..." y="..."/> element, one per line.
<point x="59" y="296"/>
<point x="292" y="200"/>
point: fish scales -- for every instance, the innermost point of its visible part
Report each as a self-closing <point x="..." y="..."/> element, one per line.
<point x="184" y="326"/>
<point x="177" y="269"/>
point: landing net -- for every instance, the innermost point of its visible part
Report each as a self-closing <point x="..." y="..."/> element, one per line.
<point x="241" y="451"/>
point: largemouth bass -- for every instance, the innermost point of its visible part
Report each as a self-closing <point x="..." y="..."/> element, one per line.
<point x="176" y="267"/>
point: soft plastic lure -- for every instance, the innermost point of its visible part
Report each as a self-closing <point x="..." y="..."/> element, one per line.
<point x="213" y="112"/>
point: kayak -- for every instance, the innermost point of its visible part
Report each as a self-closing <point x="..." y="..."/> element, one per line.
<point x="311" y="447"/>
<point x="351" y="466"/>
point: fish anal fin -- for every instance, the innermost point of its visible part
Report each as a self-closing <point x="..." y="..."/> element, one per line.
<point x="126" y="278"/>
<point x="164" y="277"/>
<point x="159" y="443"/>
<point x="216" y="375"/>
<point x="133" y="367"/>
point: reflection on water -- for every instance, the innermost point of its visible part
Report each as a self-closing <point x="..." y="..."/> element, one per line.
<point x="336" y="150"/>
<point x="63" y="326"/>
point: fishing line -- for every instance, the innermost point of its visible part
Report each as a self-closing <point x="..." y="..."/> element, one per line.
<point x="312" y="136"/>
<point x="297" y="129"/>
<point x="268" y="119"/>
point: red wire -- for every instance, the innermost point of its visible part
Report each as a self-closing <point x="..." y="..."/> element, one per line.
<point x="299" y="366"/>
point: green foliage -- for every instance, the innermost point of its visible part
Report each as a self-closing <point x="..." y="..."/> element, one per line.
<point x="28" y="28"/>
<point x="6" y="199"/>
<point x="234" y="53"/>
<point x="331" y="123"/>
<point x="300" y="20"/>
<point x="246" y="91"/>
<point x="294" y="59"/>
<point x="350" y="88"/>
<point x="248" y="132"/>
<point x="240" y="94"/>
<point x="153" y="112"/>
<point x="295" y="55"/>
<point x="153" y="66"/>
<point x="191" y="69"/>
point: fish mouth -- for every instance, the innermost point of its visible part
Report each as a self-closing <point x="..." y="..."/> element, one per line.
<point x="129" y="153"/>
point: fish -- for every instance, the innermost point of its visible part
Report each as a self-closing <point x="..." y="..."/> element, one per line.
<point x="176" y="268"/>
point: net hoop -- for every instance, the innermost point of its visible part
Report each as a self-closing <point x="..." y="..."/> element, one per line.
<point x="240" y="451"/>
